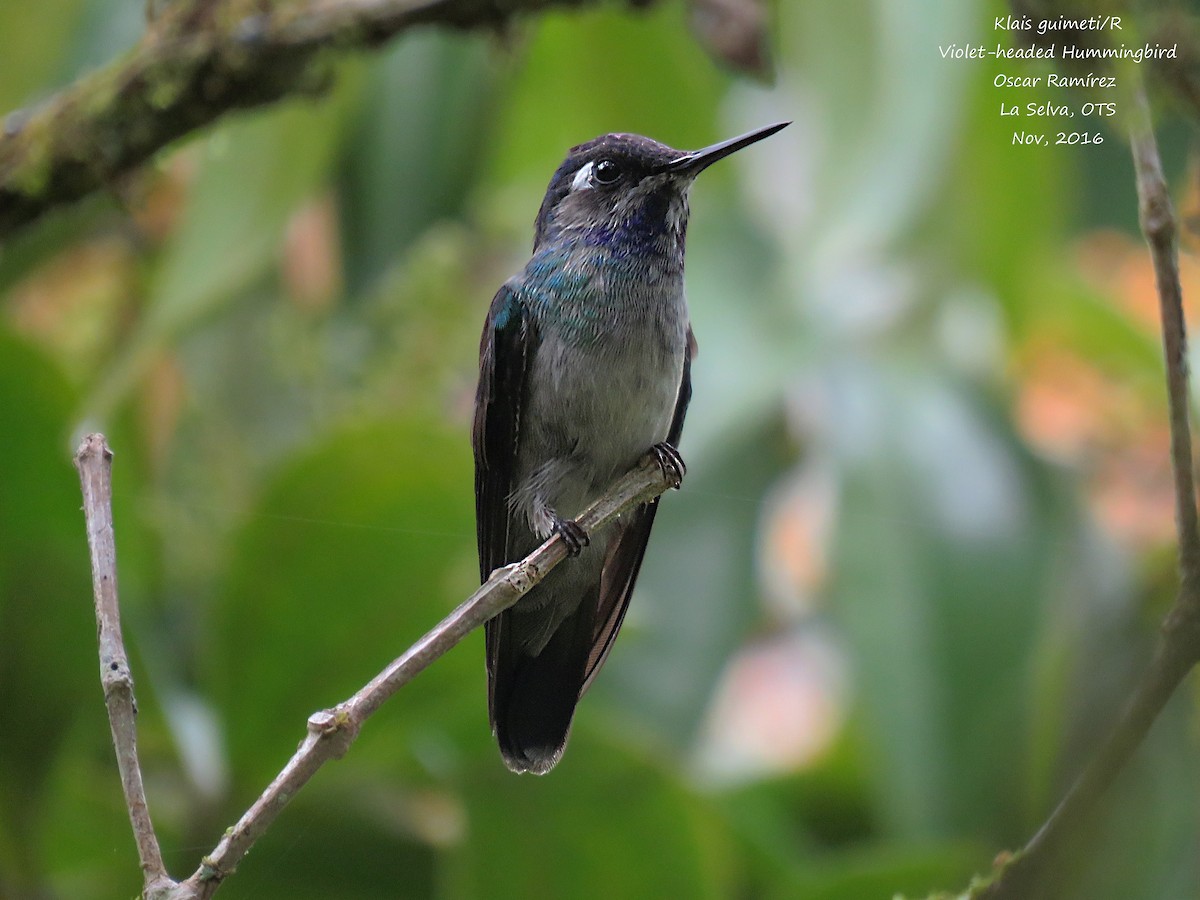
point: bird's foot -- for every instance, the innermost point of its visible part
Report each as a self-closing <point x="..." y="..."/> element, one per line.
<point x="573" y="536"/>
<point x="669" y="462"/>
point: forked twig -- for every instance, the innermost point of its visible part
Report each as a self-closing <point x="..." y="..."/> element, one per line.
<point x="330" y="732"/>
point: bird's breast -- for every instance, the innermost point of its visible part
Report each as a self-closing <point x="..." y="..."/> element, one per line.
<point x="602" y="395"/>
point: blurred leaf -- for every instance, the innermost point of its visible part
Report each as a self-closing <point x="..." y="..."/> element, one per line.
<point x="330" y="848"/>
<point x="604" y="824"/>
<point x="356" y="549"/>
<point x="34" y="40"/>
<point x="50" y="235"/>
<point x="1003" y="209"/>
<point x="414" y="150"/>
<point x="85" y="835"/>
<point x="826" y="804"/>
<point x="1082" y="318"/>
<point x="1141" y="840"/>
<point x="104" y="29"/>
<point x="47" y="656"/>
<point x="586" y="73"/>
<point x="750" y="337"/>
<point x="875" y="146"/>
<point x="256" y="171"/>
<point x="885" y="870"/>
<point x="696" y="596"/>
<point x="943" y="553"/>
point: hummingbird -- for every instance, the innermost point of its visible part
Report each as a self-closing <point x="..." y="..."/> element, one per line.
<point x="584" y="370"/>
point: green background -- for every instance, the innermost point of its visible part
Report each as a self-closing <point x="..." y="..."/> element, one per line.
<point x="874" y="543"/>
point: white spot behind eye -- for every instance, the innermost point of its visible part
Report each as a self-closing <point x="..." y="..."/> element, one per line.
<point x="583" y="178"/>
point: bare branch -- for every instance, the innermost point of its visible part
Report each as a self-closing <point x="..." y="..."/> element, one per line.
<point x="1158" y="225"/>
<point x="94" y="462"/>
<point x="1028" y="874"/>
<point x="199" y="60"/>
<point x="331" y="731"/>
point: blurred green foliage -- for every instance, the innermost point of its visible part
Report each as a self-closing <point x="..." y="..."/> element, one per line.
<point x="277" y="325"/>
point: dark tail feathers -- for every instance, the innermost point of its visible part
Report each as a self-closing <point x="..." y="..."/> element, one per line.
<point x="534" y="697"/>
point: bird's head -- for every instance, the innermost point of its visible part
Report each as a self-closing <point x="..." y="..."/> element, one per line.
<point x="625" y="186"/>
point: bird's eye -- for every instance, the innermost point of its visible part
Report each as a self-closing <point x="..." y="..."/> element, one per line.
<point x="606" y="172"/>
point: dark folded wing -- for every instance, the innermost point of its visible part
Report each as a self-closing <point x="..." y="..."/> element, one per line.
<point x="627" y="549"/>
<point x="504" y="352"/>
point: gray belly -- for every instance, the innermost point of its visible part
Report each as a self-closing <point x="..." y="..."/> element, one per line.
<point x="591" y="417"/>
<point x="592" y="412"/>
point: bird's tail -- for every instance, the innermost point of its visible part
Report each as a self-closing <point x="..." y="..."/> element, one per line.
<point x="531" y="698"/>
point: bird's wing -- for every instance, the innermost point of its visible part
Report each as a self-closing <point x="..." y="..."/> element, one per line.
<point x="504" y="358"/>
<point x="627" y="549"/>
<point x="504" y="353"/>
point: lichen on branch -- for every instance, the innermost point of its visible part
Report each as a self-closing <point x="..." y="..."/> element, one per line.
<point x="200" y="60"/>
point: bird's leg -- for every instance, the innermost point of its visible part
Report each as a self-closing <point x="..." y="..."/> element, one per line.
<point x="668" y="460"/>
<point x="574" y="537"/>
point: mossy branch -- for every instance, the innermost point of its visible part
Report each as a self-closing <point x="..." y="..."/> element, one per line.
<point x="198" y="61"/>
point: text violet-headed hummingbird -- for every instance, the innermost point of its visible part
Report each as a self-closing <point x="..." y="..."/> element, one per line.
<point x="583" y="371"/>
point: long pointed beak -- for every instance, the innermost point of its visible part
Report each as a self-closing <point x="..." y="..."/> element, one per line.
<point x="698" y="160"/>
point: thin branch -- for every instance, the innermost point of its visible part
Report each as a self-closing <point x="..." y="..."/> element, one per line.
<point x="330" y="732"/>
<point x="1158" y="225"/>
<point x="94" y="462"/>
<point x="1027" y="874"/>
<point x="199" y="60"/>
